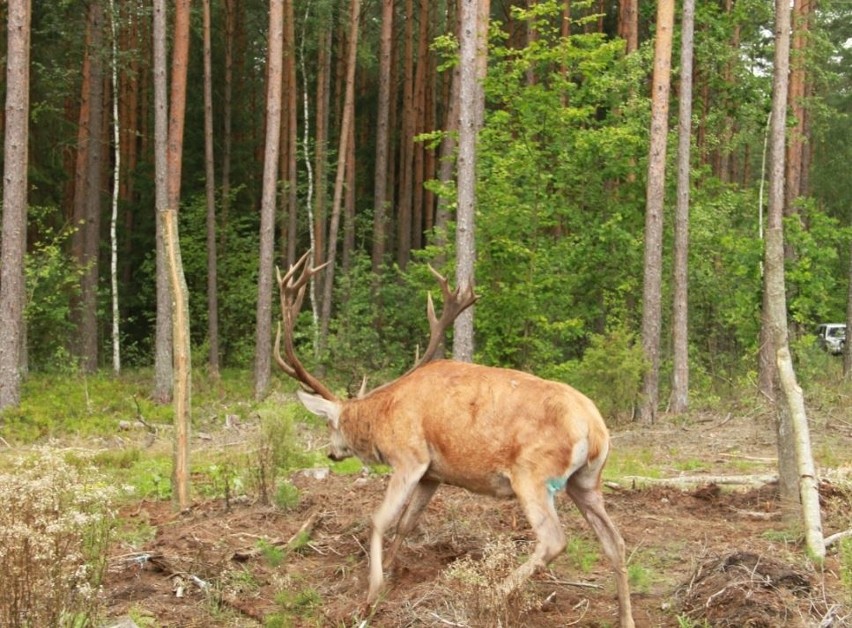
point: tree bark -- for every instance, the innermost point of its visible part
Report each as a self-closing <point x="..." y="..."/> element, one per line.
<point x="680" y="327"/>
<point x="470" y="93"/>
<point x="169" y="123"/>
<point x="263" y="340"/>
<point x="320" y="159"/>
<point x="116" y="192"/>
<point x="337" y="202"/>
<point x="655" y="201"/>
<point x="89" y="228"/>
<point x="210" y="197"/>
<point x="628" y="24"/>
<point x="227" y="113"/>
<point x="164" y="337"/>
<point x="380" y="201"/>
<point x="796" y="144"/>
<point x="13" y="238"/>
<point x="406" y="143"/>
<point x="290" y="104"/>
<point x="798" y="484"/>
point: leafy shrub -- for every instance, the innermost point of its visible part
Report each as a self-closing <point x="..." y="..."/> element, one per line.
<point x="54" y="530"/>
<point x="276" y="451"/>
<point x="610" y="372"/>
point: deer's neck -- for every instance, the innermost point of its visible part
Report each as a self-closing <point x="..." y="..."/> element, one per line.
<point x="357" y="423"/>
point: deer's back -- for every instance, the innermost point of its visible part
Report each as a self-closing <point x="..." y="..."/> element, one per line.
<point x="479" y="425"/>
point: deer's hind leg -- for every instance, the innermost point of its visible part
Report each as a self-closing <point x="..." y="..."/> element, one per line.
<point x="584" y="489"/>
<point x="536" y="498"/>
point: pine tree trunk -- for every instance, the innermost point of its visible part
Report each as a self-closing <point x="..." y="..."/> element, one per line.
<point x="628" y="24"/>
<point x="263" y="341"/>
<point x="469" y="93"/>
<point x="291" y="96"/>
<point x="210" y="197"/>
<point x="406" y="145"/>
<point x="655" y="201"/>
<point x="797" y="142"/>
<point x="92" y="189"/>
<point x="774" y="317"/>
<point x="680" y="327"/>
<point x="380" y="201"/>
<point x="337" y="202"/>
<point x="227" y="115"/>
<point x="320" y="160"/>
<point x="13" y="237"/>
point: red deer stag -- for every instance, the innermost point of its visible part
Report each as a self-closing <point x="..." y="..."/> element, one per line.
<point x="489" y="430"/>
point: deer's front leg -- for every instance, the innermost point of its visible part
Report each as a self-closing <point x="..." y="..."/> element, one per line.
<point x="402" y="484"/>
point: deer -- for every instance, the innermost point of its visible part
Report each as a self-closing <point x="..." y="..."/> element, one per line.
<point x="493" y="431"/>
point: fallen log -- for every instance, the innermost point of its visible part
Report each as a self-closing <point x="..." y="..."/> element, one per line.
<point x="689" y="481"/>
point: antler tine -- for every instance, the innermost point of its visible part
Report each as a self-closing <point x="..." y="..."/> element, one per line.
<point x="455" y="302"/>
<point x="291" y="290"/>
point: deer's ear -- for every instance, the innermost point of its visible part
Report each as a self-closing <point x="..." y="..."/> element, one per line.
<point x="320" y="406"/>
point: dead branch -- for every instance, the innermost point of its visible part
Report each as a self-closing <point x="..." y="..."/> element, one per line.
<point x="770" y="460"/>
<point x="759" y="516"/>
<point x="687" y="481"/>
<point x="839" y="536"/>
<point x="305" y="530"/>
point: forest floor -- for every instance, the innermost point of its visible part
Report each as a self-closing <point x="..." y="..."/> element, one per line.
<point x="705" y="554"/>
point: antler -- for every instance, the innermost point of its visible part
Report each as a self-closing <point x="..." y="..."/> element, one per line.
<point x="455" y="303"/>
<point x="291" y="291"/>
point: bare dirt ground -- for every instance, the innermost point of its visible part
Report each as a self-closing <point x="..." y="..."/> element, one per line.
<point x="705" y="555"/>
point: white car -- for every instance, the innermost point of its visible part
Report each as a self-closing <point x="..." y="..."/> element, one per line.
<point x="832" y="337"/>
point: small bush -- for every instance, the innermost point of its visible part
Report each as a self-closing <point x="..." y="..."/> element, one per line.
<point x="477" y="593"/>
<point x="54" y="529"/>
<point x="276" y="450"/>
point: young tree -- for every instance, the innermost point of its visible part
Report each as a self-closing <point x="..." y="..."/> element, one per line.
<point x="116" y="127"/>
<point x="210" y="196"/>
<point x="13" y="237"/>
<point x="263" y="340"/>
<point x="798" y="483"/>
<point x="169" y="126"/>
<point x="655" y="200"/>
<point x="680" y="327"/>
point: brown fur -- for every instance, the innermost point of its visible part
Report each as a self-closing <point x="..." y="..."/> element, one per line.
<point x="489" y="430"/>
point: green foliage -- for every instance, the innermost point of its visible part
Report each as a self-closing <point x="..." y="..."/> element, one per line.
<point x="54" y="405"/>
<point x="52" y="280"/>
<point x="582" y="553"/>
<point x="237" y="279"/>
<point x="272" y="554"/>
<point x="610" y="372"/>
<point x="286" y="496"/>
<point x="275" y="452"/>
<point x="845" y="548"/>
<point x="556" y="247"/>
<point x="816" y="275"/>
